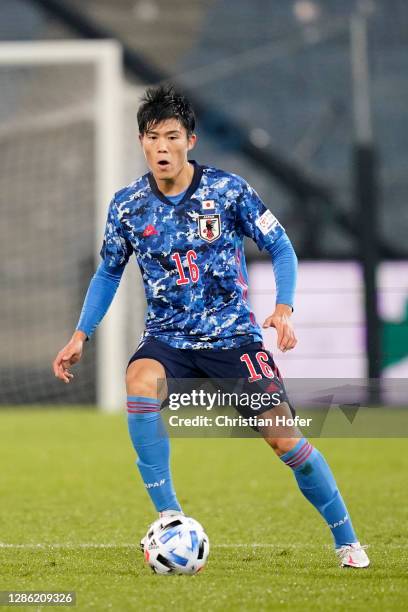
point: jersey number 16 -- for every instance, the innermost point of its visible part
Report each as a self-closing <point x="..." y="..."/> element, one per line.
<point x="193" y="270"/>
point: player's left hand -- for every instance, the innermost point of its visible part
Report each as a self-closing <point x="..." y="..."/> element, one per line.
<point x="280" y="320"/>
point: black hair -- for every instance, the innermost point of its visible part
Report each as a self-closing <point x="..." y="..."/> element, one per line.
<point x="161" y="103"/>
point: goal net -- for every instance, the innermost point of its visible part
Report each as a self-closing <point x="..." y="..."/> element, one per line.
<point x="68" y="142"/>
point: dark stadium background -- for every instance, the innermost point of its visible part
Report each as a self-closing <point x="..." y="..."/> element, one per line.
<point x="319" y="126"/>
<point x="273" y="86"/>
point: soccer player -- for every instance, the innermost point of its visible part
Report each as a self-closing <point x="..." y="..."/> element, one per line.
<point x="186" y="223"/>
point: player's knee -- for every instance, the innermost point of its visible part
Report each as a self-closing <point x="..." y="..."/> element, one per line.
<point x="279" y="430"/>
<point x="142" y="388"/>
<point x="145" y="379"/>
<point x="281" y="434"/>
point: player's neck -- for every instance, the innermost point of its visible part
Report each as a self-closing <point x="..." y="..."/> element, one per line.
<point x="177" y="184"/>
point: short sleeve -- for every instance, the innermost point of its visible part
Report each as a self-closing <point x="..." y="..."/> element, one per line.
<point x="116" y="248"/>
<point x="257" y="221"/>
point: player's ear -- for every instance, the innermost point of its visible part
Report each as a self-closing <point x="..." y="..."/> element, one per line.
<point x="192" y="139"/>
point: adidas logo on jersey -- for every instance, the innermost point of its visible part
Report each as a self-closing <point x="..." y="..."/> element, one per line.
<point x="150" y="230"/>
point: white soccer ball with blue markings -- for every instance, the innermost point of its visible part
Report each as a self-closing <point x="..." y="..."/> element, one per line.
<point x="176" y="545"/>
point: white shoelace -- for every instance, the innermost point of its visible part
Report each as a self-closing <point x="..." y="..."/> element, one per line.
<point x="350" y="548"/>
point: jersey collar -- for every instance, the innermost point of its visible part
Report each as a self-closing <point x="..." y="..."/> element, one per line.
<point x="198" y="172"/>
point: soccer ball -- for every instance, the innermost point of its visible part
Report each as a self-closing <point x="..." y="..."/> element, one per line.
<point x="176" y="545"/>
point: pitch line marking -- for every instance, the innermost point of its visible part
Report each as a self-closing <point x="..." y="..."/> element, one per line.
<point x="92" y="545"/>
<point x="127" y="545"/>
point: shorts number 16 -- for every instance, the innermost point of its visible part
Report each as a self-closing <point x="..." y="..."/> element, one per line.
<point x="262" y="359"/>
<point x="192" y="268"/>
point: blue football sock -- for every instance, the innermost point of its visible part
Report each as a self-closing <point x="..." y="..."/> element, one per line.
<point x="318" y="485"/>
<point x="151" y="442"/>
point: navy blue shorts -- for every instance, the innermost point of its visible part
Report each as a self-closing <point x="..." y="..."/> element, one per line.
<point x="252" y="365"/>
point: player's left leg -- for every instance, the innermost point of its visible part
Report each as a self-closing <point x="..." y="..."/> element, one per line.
<point x="316" y="482"/>
<point x="256" y="366"/>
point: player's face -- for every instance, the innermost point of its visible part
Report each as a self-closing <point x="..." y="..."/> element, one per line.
<point x="165" y="146"/>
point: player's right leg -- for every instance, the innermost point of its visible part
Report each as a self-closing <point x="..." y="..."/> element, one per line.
<point x="146" y="389"/>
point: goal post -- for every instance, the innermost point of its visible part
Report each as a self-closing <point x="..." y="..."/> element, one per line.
<point x="105" y="110"/>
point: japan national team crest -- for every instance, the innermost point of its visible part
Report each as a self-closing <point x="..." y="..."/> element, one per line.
<point x="209" y="227"/>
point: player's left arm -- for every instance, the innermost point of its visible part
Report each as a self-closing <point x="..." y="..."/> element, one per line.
<point x="258" y="223"/>
<point x="284" y="263"/>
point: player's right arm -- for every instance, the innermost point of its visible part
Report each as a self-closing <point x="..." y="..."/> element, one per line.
<point x="115" y="253"/>
<point x="99" y="296"/>
<point x="68" y="356"/>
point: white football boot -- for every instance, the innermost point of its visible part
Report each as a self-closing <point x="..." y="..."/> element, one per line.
<point x="353" y="555"/>
<point x="164" y="514"/>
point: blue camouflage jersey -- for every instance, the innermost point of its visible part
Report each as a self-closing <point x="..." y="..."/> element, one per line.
<point x="191" y="256"/>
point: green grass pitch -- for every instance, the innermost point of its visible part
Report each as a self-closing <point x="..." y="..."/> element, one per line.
<point x="73" y="510"/>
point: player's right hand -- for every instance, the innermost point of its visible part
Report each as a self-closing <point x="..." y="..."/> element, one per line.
<point x="68" y="356"/>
